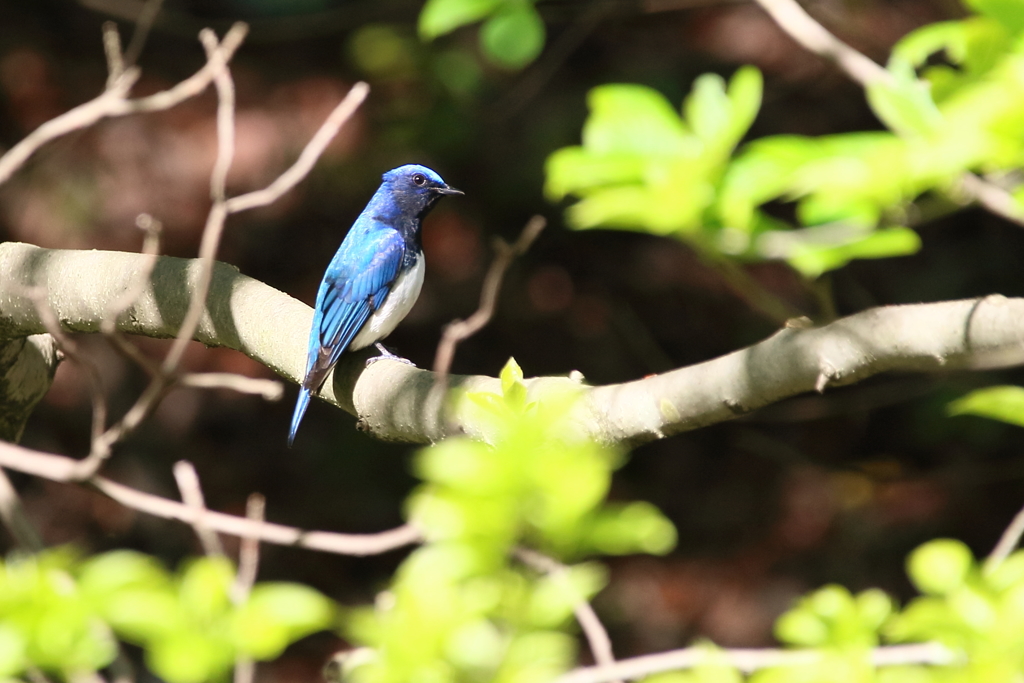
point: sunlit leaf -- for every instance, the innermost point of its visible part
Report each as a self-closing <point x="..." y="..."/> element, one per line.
<point x="633" y="119"/>
<point x="439" y="17"/>
<point x="205" y="584"/>
<point x="903" y="102"/>
<point x="1010" y="13"/>
<point x="13" y="659"/>
<point x="189" y="657"/>
<point x="514" y="35"/>
<point x="1004" y="403"/>
<point x="940" y="566"/>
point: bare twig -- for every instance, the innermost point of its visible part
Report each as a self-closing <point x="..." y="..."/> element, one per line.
<point x="304" y="164"/>
<point x="64" y="469"/>
<point x="218" y="213"/>
<point x="270" y="389"/>
<point x="142" y="27"/>
<point x="748" y="660"/>
<point x="112" y="49"/>
<point x="12" y="513"/>
<point x="597" y="636"/>
<point x="113" y="101"/>
<point x="802" y="28"/>
<point x="71" y="350"/>
<point x="192" y="495"/>
<point x="249" y="551"/>
<point x="248" y="566"/>
<point x="992" y="197"/>
<point x="1008" y="542"/>
<point x="150" y="250"/>
<point x="460" y="330"/>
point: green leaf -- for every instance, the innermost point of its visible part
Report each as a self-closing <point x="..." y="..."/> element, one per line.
<point x="511" y="375"/>
<point x="745" y="91"/>
<point x="1005" y="403"/>
<point x="13" y="658"/>
<point x="719" y="118"/>
<point x="142" y="614"/>
<point x="512" y="386"/>
<point x="204" y="587"/>
<point x="104" y="575"/>
<point x="1009" y="13"/>
<point x="189" y="657"/>
<point x="813" y="251"/>
<point x="801" y="627"/>
<point x="299" y="608"/>
<point x="514" y="35"/>
<point x="634" y="119"/>
<point x="278" y="614"/>
<point x="439" y="17"/>
<point x="708" y="108"/>
<point x="635" y="527"/>
<point x="903" y="102"/>
<point x="940" y="567"/>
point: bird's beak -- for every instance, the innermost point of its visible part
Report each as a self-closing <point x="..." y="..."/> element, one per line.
<point x="448" y="189"/>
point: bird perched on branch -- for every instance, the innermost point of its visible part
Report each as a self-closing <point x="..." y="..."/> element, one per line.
<point x="374" y="278"/>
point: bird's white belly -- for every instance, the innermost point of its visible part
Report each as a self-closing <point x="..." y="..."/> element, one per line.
<point x="397" y="305"/>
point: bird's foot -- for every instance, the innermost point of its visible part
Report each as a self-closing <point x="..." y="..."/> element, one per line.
<point x="387" y="355"/>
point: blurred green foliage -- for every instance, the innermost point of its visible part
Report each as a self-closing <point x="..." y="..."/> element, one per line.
<point x="975" y="612"/>
<point x="512" y="33"/>
<point x="1004" y="403"/>
<point x="62" y="615"/>
<point x="643" y="166"/>
<point x="460" y="607"/>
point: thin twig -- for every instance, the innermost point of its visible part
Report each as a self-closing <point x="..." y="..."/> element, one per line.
<point x="744" y="286"/>
<point x="150" y="251"/>
<point x="992" y="197"/>
<point x="64" y="469"/>
<point x="113" y="101"/>
<point x="248" y="567"/>
<point x="748" y="660"/>
<point x="269" y="389"/>
<point x="249" y="551"/>
<point x="214" y="228"/>
<point x="142" y="27"/>
<point x="597" y="636"/>
<point x="1008" y="542"/>
<point x="12" y="512"/>
<point x="308" y="158"/>
<point x="70" y="349"/>
<point x="192" y="495"/>
<point x="196" y="83"/>
<point x="459" y="330"/>
<point x="112" y="50"/>
<point x="805" y="30"/>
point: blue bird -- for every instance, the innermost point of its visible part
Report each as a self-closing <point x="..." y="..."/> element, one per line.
<point x="374" y="278"/>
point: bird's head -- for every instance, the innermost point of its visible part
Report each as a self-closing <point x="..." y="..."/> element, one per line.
<point x="416" y="188"/>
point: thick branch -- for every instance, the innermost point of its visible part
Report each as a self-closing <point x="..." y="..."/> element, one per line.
<point x="388" y="398"/>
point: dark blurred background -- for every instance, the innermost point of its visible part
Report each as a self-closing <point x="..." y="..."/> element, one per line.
<point x="832" y="488"/>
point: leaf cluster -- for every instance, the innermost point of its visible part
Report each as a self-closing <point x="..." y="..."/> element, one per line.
<point x="643" y="166"/>
<point x="460" y="608"/>
<point x="63" y="616"/>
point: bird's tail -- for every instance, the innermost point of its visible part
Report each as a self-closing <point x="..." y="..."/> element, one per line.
<point x="300" y="409"/>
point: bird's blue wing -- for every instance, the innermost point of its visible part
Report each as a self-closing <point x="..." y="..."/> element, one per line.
<point x="356" y="283"/>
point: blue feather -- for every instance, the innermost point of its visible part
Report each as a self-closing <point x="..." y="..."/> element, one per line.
<point x="382" y="245"/>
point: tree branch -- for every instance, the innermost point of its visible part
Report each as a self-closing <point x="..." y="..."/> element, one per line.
<point x="61" y="468"/>
<point x="387" y="397"/>
<point x="748" y="660"/>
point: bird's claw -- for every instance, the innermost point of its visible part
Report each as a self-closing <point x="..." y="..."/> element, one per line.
<point x="387" y="355"/>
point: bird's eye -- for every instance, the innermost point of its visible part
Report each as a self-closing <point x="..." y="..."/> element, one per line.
<point x="419" y="179"/>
